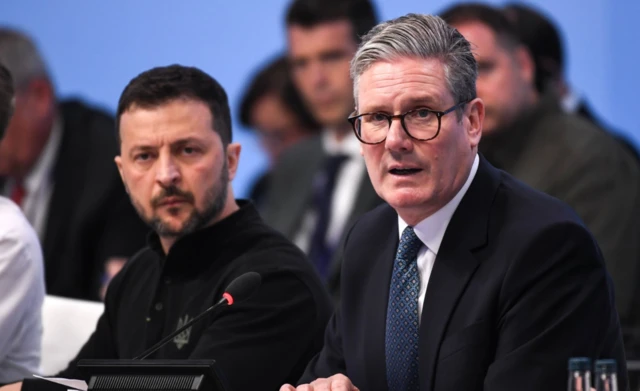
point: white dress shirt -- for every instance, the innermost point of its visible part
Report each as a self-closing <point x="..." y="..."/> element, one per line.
<point x="21" y="295"/>
<point x="345" y="192"/>
<point x="39" y="182"/>
<point x="431" y="230"/>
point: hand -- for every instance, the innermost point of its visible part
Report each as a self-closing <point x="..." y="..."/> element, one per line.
<point x="334" y="383"/>
<point x="12" y="387"/>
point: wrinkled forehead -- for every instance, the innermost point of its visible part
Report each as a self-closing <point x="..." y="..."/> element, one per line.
<point x="174" y="120"/>
<point x="404" y="80"/>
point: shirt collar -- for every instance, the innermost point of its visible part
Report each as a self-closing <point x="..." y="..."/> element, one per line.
<point x="45" y="163"/>
<point x="431" y="230"/>
<point x="349" y="145"/>
<point x="570" y="101"/>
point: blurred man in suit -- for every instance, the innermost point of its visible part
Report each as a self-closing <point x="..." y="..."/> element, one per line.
<point x="538" y="32"/>
<point x="56" y="163"/>
<point x="273" y="108"/>
<point x="21" y="275"/>
<point x="468" y="279"/>
<point x="320" y="186"/>
<point x="528" y="135"/>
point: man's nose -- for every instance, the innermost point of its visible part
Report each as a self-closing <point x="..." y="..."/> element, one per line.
<point x="397" y="138"/>
<point x="168" y="172"/>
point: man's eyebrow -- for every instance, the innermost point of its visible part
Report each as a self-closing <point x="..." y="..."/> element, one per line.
<point x="423" y="100"/>
<point x="141" y="148"/>
<point x="427" y="100"/>
<point x="186" y="140"/>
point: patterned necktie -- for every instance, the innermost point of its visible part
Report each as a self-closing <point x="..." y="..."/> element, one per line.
<point x="401" y="340"/>
<point x="320" y="251"/>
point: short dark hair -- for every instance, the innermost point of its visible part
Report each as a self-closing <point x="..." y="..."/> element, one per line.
<point x="490" y="16"/>
<point x="310" y="13"/>
<point x="6" y="98"/>
<point x="275" y="78"/>
<point x="536" y="31"/>
<point x="162" y="85"/>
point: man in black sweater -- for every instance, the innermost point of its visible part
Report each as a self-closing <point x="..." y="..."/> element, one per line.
<point x="176" y="162"/>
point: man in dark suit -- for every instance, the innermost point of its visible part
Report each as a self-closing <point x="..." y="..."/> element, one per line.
<point x="56" y="162"/>
<point x="542" y="37"/>
<point x="320" y="186"/>
<point x="494" y="285"/>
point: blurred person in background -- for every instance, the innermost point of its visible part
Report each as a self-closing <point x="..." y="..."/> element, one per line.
<point x="527" y="134"/>
<point x="273" y="108"/>
<point x="56" y="163"/>
<point x="542" y="38"/>
<point x="21" y="275"/>
<point x="538" y="32"/>
<point x="320" y="185"/>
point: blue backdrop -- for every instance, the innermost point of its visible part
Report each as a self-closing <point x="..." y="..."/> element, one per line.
<point x="93" y="48"/>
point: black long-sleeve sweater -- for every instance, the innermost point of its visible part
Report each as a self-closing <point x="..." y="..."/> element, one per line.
<point x="260" y="343"/>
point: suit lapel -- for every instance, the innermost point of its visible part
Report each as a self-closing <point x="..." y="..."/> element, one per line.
<point x="451" y="273"/>
<point x="454" y="267"/>
<point x="366" y="200"/>
<point x="376" y="298"/>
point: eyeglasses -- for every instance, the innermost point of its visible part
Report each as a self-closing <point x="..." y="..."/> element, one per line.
<point x="420" y="124"/>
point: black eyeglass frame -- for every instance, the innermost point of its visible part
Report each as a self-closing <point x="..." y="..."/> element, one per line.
<point x="439" y="114"/>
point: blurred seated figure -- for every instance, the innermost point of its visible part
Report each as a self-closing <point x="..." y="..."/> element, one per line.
<point x="320" y="186"/>
<point x="271" y="105"/>
<point x="21" y="276"/>
<point x="56" y="163"/>
<point x="537" y="31"/>
<point x="527" y="134"/>
<point x="539" y="34"/>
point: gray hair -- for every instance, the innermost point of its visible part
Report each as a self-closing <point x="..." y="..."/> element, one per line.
<point x="21" y="57"/>
<point x="421" y="36"/>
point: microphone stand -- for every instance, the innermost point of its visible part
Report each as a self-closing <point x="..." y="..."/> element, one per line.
<point x="169" y="337"/>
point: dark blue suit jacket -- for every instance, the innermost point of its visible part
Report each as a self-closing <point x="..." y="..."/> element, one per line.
<point x="519" y="286"/>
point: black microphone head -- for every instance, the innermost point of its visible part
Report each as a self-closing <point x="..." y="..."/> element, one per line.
<point x="242" y="287"/>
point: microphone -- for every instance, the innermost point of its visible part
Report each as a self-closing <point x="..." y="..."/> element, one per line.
<point x="237" y="291"/>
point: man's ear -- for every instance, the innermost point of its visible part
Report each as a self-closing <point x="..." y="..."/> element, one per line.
<point x="525" y="64"/>
<point x="233" y="159"/>
<point x="118" y="160"/>
<point x="474" y="118"/>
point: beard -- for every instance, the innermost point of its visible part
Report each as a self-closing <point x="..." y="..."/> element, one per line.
<point x="214" y="202"/>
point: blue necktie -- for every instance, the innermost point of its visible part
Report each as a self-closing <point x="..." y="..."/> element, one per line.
<point x="320" y="251"/>
<point x="401" y="340"/>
